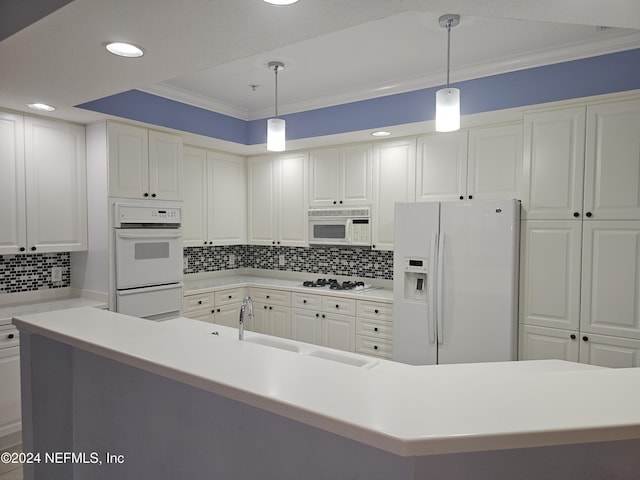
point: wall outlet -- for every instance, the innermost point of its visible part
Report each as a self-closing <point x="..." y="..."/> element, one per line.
<point x="232" y="260"/>
<point x="56" y="274"/>
<point x="185" y="262"/>
<point x="281" y="260"/>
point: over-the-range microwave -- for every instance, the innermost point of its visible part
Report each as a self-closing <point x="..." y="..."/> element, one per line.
<point x="340" y="226"/>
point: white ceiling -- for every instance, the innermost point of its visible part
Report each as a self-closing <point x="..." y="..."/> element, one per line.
<point x="208" y="52"/>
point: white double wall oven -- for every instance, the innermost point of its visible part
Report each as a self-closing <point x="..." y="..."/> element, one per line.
<point x="148" y="259"/>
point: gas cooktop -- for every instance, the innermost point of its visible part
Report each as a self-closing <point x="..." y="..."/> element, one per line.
<point x="334" y="284"/>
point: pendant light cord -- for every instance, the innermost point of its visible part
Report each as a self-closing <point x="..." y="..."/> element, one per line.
<point x="448" y="49"/>
<point x="275" y="69"/>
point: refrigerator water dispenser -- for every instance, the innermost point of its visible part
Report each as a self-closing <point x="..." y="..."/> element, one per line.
<point x="415" y="279"/>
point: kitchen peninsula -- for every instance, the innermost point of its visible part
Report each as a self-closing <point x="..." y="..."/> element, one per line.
<point x="187" y="399"/>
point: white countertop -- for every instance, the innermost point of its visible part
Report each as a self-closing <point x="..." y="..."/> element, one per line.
<point x="204" y="285"/>
<point x="8" y="311"/>
<point x="406" y="410"/>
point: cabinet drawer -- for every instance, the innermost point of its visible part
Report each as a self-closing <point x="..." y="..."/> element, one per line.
<point x="202" y="315"/>
<point x="372" y="346"/>
<point x="376" y="310"/>
<point x="379" y="329"/>
<point x="343" y="306"/>
<point x="9" y="336"/>
<point x="305" y="300"/>
<point x="232" y="295"/>
<point x="271" y="297"/>
<point x="198" y="302"/>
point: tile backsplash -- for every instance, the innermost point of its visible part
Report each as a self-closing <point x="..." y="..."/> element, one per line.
<point x="24" y="273"/>
<point x="344" y="261"/>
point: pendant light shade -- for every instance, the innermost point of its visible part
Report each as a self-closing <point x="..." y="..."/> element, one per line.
<point x="276" y="127"/>
<point x="447" y="110"/>
<point x="448" y="99"/>
<point x="276" y="134"/>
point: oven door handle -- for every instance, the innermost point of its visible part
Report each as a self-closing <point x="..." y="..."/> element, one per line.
<point x="150" y="235"/>
<point x="137" y="291"/>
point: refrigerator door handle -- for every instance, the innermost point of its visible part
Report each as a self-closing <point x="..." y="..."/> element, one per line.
<point x="440" y="290"/>
<point x="431" y="287"/>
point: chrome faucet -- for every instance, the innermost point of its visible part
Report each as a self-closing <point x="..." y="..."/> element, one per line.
<point x="245" y="302"/>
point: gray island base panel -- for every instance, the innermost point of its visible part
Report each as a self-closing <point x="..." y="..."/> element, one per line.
<point x="137" y="417"/>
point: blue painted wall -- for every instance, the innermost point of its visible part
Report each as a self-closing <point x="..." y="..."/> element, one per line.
<point x="616" y="72"/>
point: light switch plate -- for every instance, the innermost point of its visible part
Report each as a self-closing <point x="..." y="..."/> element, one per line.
<point x="56" y="274"/>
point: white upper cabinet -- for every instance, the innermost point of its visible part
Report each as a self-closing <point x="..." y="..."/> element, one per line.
<point x="442" y="167"/>
<point x="13" y="215"/>
<point x="394" y="164"/>
<point x="583" y="162"/>
<point x="195" y="198"/>
<point x="612" y="161"/>
<point x="483" y="163"/>
<point x="278" y="200"/>
<point x="553" y="164"/>
<point x="340" y="176"/>
<point x="144" y="164"/>
<point x="43" y="180"/>
<point x="495" y="162"/>
<point x="214" y="204"/>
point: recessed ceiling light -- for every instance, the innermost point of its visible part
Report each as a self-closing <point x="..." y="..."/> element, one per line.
<point x="280" y="2"/>
<point x="42" y="107"/>
<point x="381" y="133"/>
<point x="124" y="49"/>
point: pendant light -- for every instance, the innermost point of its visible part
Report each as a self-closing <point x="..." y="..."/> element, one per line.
<point x="276" y="126"/>
<point x="448" y="99"/>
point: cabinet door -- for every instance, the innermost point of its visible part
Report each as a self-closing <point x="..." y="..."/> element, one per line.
<point x="608" y="351"/>
<point x="228" y="315"/>
<point x="293" y="200"/>
<point x="260" y="321"/>
<point x="195" y="199"/>
<point x="355" y="175"/>
<point x="610" y="280"/>
<point x="553" y="164"/>
<point x="263" y="226"/>
<point x="128" y="161"/>
<point x="442" y="167"/>
<point x="165" y="166"/>
<point x="338" y="331"/>
<point x="612" y="161"/>
<point x="324" y="177"/>
<point x="540" y="343"/>
<point x="13" y="216"/>
<point x="495" y="163"/>
<point x="227" y="205"/>
<point x="394" y="181"/>
<point x="10" y="413"/>
<point x="306" y="326"/>
<point x="550" y="259"/>
<point x="56" y="184"/>
<point x="280" y="321"/>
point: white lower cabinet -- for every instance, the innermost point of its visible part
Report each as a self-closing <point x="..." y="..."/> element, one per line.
<point x="10" y="410"/>
<point x="579" y="291"/>
<point x="374" y="328"/>
<point x="221" y="307"/>
<point x="272" y="312"/>
<point x="324" y="320"/>
<point x="542" y="343"/>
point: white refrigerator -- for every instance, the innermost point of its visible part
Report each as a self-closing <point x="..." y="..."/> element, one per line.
<point x="455" y="281"/>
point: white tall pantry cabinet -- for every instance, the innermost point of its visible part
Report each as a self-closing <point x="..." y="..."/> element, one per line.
<point x="581" y="235"/>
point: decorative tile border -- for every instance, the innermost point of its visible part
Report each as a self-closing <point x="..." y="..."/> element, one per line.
<point x="24" y="273"/>
<point x="344" y="261"/>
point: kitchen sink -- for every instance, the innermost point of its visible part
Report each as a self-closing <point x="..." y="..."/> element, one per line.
<point x="301" y="348"/>
<point x="274" y="343"/>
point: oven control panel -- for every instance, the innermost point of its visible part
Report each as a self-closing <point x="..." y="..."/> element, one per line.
<point x="127" y="214"/>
